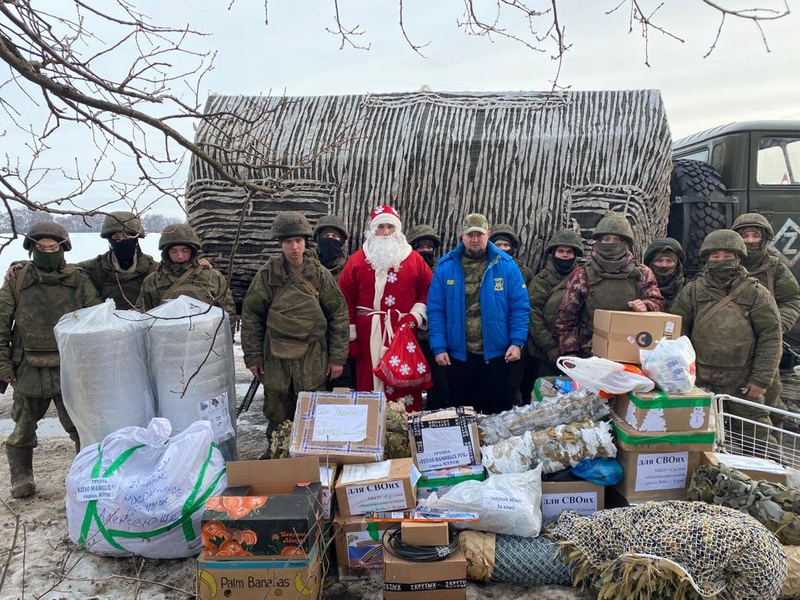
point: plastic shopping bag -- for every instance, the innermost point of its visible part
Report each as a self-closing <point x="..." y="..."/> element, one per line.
<point x="602" y="375"/>
<point x="671" y="364"/>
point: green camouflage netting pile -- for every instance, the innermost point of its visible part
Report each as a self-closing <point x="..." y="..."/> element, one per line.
<point x="397" y="444"/>
<point x="674" y="549"/>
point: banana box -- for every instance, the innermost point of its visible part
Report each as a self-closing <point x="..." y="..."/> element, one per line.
<point x="297" y="578"/>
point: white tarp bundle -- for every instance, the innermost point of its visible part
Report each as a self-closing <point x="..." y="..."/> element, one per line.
<point x="143" y="492"/>
<point x="104" y="379"/>
<point x="190" y="362"/>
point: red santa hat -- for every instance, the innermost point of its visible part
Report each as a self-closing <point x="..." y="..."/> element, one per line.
<point x="384" y="214"/>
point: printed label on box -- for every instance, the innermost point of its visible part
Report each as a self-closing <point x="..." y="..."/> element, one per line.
<point x="749" y="463"/>
<point x="366" y="472"/>
<point x="101" y="488"/>
<point x="381" y="496"/>
<point x="495" y="500"/>
<point x="583" y="503"/>
<point x="661" y="471"/>
<point x="340" y="422"/>
<point x="444" y="447"/>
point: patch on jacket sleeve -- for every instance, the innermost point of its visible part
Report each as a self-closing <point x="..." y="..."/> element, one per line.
<point x="498" y="284"/>
<point x="451" y="282"/>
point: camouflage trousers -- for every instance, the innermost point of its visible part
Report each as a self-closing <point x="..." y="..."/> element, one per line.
<point x="27" y="411"/>
<point x="772" y="398"/>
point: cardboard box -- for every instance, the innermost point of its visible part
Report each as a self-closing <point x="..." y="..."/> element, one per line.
<point x="286" y="579"/>
<point x="658" y="411"/>
<point x="547" y="387"/>
<point x="619" y="334"/>
<point x="442" y="480"/>
<point x="327" y="479"/>
<point x="444" y="438"/>
<point x="756" y="468"/>
<point x="270" y="507"/>
<point x="442" y="580"/>
<point x="701" y="440"/>
<point x="383" y="486"/>
<point x="425" y="534"/>
<point x="656" y="475"/>
<point x="359" y="547"/>
<point x="584" y="497"/>
<point x="351" y="429"/>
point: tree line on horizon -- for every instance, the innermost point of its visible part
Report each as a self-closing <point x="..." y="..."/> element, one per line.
<point x="24" y="219"/>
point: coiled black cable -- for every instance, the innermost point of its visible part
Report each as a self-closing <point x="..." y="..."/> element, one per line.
<point x="396" y="547"/>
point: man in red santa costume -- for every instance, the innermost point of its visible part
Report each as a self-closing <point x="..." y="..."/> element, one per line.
<point x="385" y="285"/>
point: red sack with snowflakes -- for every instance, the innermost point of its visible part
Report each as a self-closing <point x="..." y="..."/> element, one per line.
<point x="404" y="367"/>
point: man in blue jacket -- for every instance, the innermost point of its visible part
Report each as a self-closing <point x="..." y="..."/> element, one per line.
<point x="478" y="318"/>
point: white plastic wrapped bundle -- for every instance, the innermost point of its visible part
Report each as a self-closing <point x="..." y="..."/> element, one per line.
<point x="143" y="492"/>
<point x="104" y="378"/>
<point x="190" y="361"/>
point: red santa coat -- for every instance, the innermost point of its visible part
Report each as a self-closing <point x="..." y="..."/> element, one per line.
<point x="376" y="301"/>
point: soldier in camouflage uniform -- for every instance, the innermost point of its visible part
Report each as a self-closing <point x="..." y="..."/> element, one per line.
<point x="666" y="258"/>
<point x="31" y="302"/>
<point x="295" y="324"/>
<point x="775" y="275"/>
<point x="505" y="238"/>
<point x="734" y="325"/>
<point x="426" y="242"/>
<point x="611" y="280"/>
<point x="545" y="294"/>
<point x="330" y="237"/>
<point x="180" y="274"/>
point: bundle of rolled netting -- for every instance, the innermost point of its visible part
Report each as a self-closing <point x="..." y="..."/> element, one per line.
<point x="569" y="407"/>
<point x="555" y="448"/>
<point x="674" y="549"/>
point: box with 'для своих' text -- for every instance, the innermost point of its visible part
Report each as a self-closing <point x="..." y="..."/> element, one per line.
<point x="377" y="487"/>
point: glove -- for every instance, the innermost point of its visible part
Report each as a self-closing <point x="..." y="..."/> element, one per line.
<point x="352" y="350"/>
<point x="408" y="320"/>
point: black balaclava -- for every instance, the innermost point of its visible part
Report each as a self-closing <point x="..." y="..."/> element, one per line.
<point x="124" y="250"/>
<point x="563" y="265"/>
<point x="329" y="250"/>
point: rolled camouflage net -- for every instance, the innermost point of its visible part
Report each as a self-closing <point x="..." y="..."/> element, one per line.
<point x="771" y="504"/>
<point x="397" y="430"/>
<point x="673" y="549"/>
<point x="512" y="559"/>
<point x="556" y="448"/>
<point x="791" y="586"/>
<point x="549" y="412"/>
<point x="281" y="440"/>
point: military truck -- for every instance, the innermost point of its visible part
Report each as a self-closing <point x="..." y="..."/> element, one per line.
<point x="751" y="166"/>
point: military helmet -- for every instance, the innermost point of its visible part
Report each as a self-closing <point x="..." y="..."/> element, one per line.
<point x="505" y="230"/>
<point x="289" y="224"/>
<point x="723" y="239"/>
<point x="659" y="245"/>
<point x="614" y="224"/>
<point x="47" y="229"/>
<point x="122" y="222"/>
<point x="179" y="234"/>
<point x="566" y="237"/>
<point x="753" y="220"/>
<point x="330" y="222"/>
<point x="419" y="232"/>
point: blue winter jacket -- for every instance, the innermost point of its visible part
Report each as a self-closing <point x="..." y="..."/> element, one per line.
<point x="504" y="305"/>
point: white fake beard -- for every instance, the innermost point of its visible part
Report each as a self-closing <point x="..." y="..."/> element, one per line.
<point x="385" y="252"/>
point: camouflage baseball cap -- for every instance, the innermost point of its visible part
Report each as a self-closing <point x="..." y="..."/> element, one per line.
<point x="475" y="222"/>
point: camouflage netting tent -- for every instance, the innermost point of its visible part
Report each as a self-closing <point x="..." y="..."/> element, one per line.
<point x="537" y="161"/>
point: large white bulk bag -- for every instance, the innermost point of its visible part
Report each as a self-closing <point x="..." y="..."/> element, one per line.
<point x="190" y="362"/>
<point x="104" y="380"/>
<point x="143" y="492"/>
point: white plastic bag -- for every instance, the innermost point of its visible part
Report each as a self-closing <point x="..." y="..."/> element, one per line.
<point x="142" y="492"/>
<point x="671" y="364"/>
<point x="104" y="378"/>
<point x="509" y="504"/>
<point x="603" y="375"/>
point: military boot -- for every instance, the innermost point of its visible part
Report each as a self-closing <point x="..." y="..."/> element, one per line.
<point x="20" y="463"/>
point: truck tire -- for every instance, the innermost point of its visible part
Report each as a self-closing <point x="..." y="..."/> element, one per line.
<point x="699" y="204"/>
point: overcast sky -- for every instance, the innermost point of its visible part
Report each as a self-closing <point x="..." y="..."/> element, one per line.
<point x="294" y="54"/>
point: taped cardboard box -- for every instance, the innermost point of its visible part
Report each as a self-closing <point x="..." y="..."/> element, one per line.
<point x="619" y="335"/>
<point x="584" y="497"/>
<point x="282" y="578"/>
<point x="270" y="507"/>
<point x="425" y="534"/>
<point x="342" y="427"/>
<point x="442" y="481"/>
<point x="359" y="547"/>
<point x="659" y="411"/>
<point x="444" y="438"/>
<point x="442" y="580"/>
<point x="756" y="469"/>
<point x="628" y="438"/>
<point x="383" y="486"/>
<point x="327" y="479"/>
